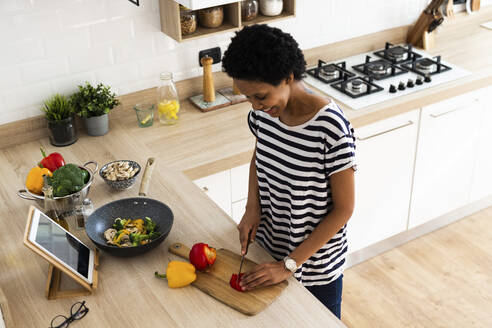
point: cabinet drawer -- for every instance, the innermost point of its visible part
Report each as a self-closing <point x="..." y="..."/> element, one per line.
<point x="218" y="187"/>
<point x="239" y="182"/>
<point x="446" y="155"/>
<point x="385" y="155"/>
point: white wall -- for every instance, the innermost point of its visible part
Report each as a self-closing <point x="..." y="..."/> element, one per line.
<point x="50" y="46"/>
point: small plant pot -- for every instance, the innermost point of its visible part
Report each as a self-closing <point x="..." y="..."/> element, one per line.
<point x="97" y="125"/>
<point x="62" y="133"/>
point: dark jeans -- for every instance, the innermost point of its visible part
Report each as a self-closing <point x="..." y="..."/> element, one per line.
<point x="330" y="295"/>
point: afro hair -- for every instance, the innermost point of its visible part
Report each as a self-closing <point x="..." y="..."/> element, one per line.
<point x="265" y="54"/>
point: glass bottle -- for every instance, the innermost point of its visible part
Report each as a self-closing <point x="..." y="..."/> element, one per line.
<point x="167" y="100"/>
<point x="83" y="212"/>
<point x="249" y="10"/>
<point x="50" y="205"/>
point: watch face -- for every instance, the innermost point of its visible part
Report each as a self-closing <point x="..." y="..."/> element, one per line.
<point x="291" y="264"/>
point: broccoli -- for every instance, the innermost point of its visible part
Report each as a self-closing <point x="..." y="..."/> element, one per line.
<point x="67" y="180"/>
<point x="137" y="238"/>
<point x="149" y="225"/>
<point x="154" y="234"/>
<point x="119" y="224"/>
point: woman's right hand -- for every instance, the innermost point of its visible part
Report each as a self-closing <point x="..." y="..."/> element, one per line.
<point x="250" y="221"/>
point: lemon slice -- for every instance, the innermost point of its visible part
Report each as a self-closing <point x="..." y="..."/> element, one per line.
<point x="146" y="119"/>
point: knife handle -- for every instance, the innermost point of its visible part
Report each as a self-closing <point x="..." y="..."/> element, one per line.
<point x="180" y="250"/>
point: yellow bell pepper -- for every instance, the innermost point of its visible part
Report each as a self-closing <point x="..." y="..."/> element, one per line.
<point x="34" y="181"/>
<point x="178" y="274"/>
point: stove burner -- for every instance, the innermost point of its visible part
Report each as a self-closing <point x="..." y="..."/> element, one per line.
<point x="330" y="73"/>
<point x="379" y="69"/>
<point x="426" y="66"/>
<point x="397" y="54"/>
<point x="356" y="87"/>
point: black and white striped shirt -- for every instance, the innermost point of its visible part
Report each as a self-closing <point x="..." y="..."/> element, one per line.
<point x="293" y="165"/>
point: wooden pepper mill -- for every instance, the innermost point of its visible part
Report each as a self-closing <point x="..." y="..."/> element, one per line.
<point x="208" y="81"/>
<point x="235" y="90"/>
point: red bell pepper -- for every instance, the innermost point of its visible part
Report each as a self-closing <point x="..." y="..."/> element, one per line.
<point x="202" y="256"/>
<point x="52" y="162"/>
<point x="234" y="282"/>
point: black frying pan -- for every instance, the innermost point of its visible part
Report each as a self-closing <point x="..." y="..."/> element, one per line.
<point x="130" y="208"/>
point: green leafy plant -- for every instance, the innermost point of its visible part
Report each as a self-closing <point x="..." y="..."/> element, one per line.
<point x="57" y="108"/>
<point x="92" y="101"/>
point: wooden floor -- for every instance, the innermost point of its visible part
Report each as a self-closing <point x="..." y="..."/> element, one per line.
<point x="443" y="279"/>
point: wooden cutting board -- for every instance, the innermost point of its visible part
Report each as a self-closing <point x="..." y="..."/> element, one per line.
<point x="215" y="282"/>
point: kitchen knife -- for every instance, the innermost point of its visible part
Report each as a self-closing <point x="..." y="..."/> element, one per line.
<point x="435" y="23"/>
<point x="242" y="257"/>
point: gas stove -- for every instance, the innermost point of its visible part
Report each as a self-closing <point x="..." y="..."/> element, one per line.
<point x="370" y="78"/>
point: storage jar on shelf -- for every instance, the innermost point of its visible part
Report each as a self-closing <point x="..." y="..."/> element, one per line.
<point x="188" y="20"/>
<point x="167" y="100"/>
<point x="211" y="17"/>
<point x="271" y="7"/>
<point x="249" y="10"/>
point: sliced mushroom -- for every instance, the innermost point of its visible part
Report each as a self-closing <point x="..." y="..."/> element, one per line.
<point x="109" y="234"/>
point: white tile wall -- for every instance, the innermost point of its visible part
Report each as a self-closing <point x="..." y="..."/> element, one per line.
<point x="52" y="46"/>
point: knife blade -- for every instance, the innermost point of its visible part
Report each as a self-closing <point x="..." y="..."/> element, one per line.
<point x="242" y="257"/>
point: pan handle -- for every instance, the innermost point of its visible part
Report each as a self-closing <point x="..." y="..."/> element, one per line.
<point x="144" y="184"/>
<point x="21" y="193"/>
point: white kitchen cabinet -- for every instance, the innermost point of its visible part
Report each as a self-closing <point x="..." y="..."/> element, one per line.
<point x="446" y="154"/>
<point x="385" y="153"/>
<point x="238" y="209"/>
<point x="482" y="175"/>
<point x="239" y="182"/>
<point x="199" y="4"/>
<point x="218" y="187"/>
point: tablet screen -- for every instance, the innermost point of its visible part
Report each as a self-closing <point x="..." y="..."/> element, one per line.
<point x="57" y="241"/>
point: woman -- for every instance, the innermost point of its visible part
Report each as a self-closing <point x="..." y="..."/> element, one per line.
<point x="301" y="180"/>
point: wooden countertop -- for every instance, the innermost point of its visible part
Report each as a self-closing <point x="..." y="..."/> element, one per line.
<point x="128" y="291"/>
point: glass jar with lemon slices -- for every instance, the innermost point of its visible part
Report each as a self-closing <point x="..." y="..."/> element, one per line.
<point x="167" y="100"/>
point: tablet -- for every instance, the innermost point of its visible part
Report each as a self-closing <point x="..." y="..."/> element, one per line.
<point x="61" y="245"/>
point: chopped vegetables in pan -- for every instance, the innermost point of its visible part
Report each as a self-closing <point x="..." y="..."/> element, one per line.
<point x="128" y="232"/>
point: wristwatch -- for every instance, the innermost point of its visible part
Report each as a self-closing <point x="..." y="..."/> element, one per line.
<point x="290" y="264"/>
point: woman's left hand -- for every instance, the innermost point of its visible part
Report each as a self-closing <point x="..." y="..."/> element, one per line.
<point x="265" y="274"/>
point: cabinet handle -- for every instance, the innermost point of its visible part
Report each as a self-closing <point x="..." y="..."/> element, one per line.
<point x="383" y="132"/>
<point x="205" y="189"/>
<point x="445" y="113"/>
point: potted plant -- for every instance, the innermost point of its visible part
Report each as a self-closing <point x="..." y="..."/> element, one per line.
<point x="59" y="114"/>
<point x="93" y="105"/>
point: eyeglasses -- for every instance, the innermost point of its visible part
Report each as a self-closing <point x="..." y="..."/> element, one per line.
<point x="77" y="312"/>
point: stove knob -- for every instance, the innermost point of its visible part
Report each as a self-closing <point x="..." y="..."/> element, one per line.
<point x="392" y="89"/>
<point x="410" y="83"/>
<point x="419" y="81"/>
<point x="401" y="86"/>
<point x="427" y="78"/>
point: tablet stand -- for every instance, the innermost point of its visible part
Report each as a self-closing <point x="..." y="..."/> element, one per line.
<point x="54" y="278"/>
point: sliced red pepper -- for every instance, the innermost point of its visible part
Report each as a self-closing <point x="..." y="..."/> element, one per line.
<point x="234" y="282"/>
<point x="202" y="256"/>
<point x="52" y="162"/>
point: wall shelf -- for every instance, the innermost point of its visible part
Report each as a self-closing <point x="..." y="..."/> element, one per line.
<point x="171" y="24"/>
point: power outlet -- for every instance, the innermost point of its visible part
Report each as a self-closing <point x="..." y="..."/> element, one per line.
<point x="213" y="53"/>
